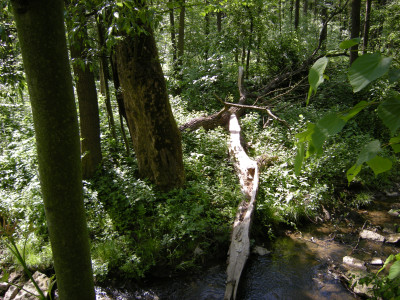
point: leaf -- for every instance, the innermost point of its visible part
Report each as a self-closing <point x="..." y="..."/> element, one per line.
<point x="5" y="276"/>
<point x="349" y="43"/>
<point x="389" y="112"/>
<point x="379" y="164"/>
<point x="352" y="172"/>
<point x="306" y="135"/>
<point x="316" y="75"/>
<point x="354" y="110"/>
<point x="298" y="161"/>
<point x="366" y="69"/>
<point x="394" y="75"/>
<point x="388" y="260"/>
<point x="329" y="125"/>
<point x="394" y="270"/>
<point x="369" y="151"/>
<point x="395" y="144"/>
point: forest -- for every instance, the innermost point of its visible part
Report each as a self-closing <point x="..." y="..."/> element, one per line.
<point x="143" y="140"/>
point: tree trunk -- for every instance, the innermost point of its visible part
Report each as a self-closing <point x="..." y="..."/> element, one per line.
<point x="42" y="39"/>
<point x="296" y="14"/>
<point x="250" y="42"/>
<point x="324" y="32"/>
<point x="105" y="71"/>
<point x="355" y="27"/>
<point x="88" y="105"/>
<point x="247" y="171"/>
<point x="206" y="31"/>
<point x="181" y="35"/>
<point x="155" y="135"/>
<point x="173" y="37"/>
<point x="367" y="24"/>
<point x="120" y="101"/>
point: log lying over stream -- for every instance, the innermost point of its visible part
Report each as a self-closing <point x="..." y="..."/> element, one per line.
<point x="247" y="170"/>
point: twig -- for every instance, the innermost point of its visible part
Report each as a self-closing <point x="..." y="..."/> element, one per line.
<point x="359" y="238"/>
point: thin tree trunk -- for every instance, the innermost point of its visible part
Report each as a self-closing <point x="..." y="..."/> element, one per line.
<point x="181" y="35"/>
<point x="296" y="14"/>
<point x="120" y="101"/>
<point x="42" y="40"/>
<point x="173" y="37"/>
<point x="355" y="27"/>
<point x="367" y="24"/>
<point x="219" y="30"/>
<point x="250" y="42"/>
<point x="206" y="31"/>
<point x="88" y="107"/>
<point x="105" y="70"/>
<point x="324" y="33"/>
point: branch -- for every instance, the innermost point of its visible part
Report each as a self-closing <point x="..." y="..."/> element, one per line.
<point x="258" y="108"/>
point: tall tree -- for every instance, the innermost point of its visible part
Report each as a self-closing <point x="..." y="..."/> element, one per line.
<point x="87" y="95"/>
<point x="366" y="24"/>
<point x="355" y="27"/>
<point x="104" y="70"/>
<point x="172" y="28"/>
<point x="296" y="14"/>
<point x="181" y="34"/>
<point x="42" y="38"/>
<point x="154" y="132"/>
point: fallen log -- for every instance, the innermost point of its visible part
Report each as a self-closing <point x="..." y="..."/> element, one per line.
<point x="247" y="171"/>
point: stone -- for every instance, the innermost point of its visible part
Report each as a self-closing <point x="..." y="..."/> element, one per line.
<point x="11" y="293"/>
<point x="354" y="262"/>
<point x="198" y="251"/>
<point x="376" y="261"/>
<point x="393" y="238"/>
<point x="41" y="280"/>
<point x="261" y="251"/>
<point x="394" y="212"/>
<point x="373" y="236"/>
<point x="362" y="290"/>
<point x="4" y="286"/>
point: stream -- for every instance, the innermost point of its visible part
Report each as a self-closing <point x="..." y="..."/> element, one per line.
<point x="302" y="264"/>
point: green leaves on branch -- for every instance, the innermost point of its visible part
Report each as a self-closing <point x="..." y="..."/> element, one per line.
<point x="389" y="112"/>
<point x="316" y="75"/>
<point x="366" y="69"/>
<point x="349" y="43"/>
<point x="369" y="155"/>
<point x="363" y="71"/>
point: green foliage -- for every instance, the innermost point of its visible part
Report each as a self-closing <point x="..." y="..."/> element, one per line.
<point x="349" y="43"/>
<point x="364" y="70"/>
<point x="387" y="286"/>
<point x="316" y="75"/>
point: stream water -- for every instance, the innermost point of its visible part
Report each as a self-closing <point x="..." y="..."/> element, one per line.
<point x="302" y="264"/>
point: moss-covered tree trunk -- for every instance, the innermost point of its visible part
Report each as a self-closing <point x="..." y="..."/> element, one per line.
<point x="88" y="104"/>
<point x="155" y="135"/>
<point x="41" y="34"/>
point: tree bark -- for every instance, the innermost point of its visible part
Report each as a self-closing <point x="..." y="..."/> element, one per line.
<point x="181" y="36"/>
<point x="42" y="39"/>
<point x="88" y="105"/>
<point x="355" y="27"/>
<point x="296" y="14"/>
<point x="173" y="36"/>
<point x="206" y="31"/>
<point x="105" y="71"/>
<point x="155" y="135"/>
<point x="120" y="101"/>
<point x="367" y="24"/>
<point x="250" y="42"/>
